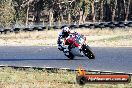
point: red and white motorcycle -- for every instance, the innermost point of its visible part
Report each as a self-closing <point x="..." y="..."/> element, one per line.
<point x="78" y="46"/>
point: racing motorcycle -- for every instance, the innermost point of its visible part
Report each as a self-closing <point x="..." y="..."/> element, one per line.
<point x="78" y="47"/>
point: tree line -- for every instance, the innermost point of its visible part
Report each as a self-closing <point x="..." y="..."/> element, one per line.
<point x="63" y="11"/>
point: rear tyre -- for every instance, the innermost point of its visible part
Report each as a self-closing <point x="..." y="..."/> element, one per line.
<point x="88" y="52"/>
<point x="70" y="56"/>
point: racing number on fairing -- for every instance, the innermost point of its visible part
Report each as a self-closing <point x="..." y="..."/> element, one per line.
<point x="80" y="39"/>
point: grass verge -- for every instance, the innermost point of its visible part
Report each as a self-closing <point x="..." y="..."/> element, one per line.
<point x="36" y="78"/>
<point x="95" y="37"/>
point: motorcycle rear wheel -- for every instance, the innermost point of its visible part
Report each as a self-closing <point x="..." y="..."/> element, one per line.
<point x="88" y="51"/>
<point x="70" y="56"/>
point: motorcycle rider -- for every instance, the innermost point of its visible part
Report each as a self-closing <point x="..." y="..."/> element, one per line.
<point x="65" y="34"/>
<point x="61" y="40"/>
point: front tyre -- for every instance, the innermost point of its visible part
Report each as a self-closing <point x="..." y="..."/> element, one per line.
<point x="88" y="51"/>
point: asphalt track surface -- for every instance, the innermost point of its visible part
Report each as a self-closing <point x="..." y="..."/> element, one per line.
<point x="107" y="58"/>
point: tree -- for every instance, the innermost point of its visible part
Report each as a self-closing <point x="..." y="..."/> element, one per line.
<point x="101" y="10"/>
<point x="48" y="4"/>
<point x="93" y="10"/>
<point x="81" y="3"/>
<point x="114" y="5"/>
<point x="6" y="13"/>
<point x="38" y="8"/>
<point x="86" y="8"/>
<point x="27" y="4"/>
<point x="22" y="8"/>
<point x="127" y="9"/>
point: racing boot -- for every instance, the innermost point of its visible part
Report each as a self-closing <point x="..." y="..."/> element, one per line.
<point x="68" y="54"/>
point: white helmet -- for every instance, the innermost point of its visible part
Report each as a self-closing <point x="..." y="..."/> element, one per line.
<point x="66" y="29"/>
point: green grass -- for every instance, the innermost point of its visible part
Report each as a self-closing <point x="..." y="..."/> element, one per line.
<point x="42" y="78"/>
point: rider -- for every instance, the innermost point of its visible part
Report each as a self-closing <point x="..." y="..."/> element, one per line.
<point x="65" y="34"/>
<point x="61" y="40"/>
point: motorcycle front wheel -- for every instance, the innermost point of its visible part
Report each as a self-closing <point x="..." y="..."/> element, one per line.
<point x="88" y="51"/>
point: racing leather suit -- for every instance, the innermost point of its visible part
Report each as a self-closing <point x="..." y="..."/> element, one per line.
<point x="61" y="44"/>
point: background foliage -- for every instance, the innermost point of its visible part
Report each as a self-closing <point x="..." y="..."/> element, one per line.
<point x="64" y="11"/>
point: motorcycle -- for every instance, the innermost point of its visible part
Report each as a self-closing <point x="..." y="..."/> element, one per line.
<point x="78" y="47"/>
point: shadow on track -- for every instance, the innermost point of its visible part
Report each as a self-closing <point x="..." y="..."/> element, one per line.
<point x="36" y="59"/>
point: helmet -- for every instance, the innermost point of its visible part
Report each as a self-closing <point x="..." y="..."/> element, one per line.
<point x="65" y="31"/>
